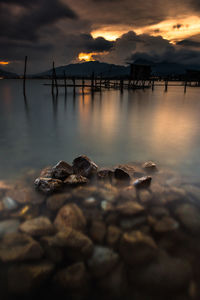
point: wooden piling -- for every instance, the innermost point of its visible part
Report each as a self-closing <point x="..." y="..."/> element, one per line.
<point x="24" y="79"/>
<point x="55" y="78"/>
<point x="185" y="86"/>
<point x="65" y="83"/>
<point x="83" y="85"/>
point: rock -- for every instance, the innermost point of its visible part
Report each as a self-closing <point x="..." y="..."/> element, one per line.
<point x="189" y="216"/>
<point x="128" y="168"/>
<point x="78" y="245"/>
<point x="166" y="275"/>
<point x="8" y="226"/>
<point x="127" y="223"/>
<point x="84" y="191"/>
<point x="97" y="231"/>
<point x="143" y="182"/>
<point x="48" y="185"/>
<point x="76" y="180"/>
<point x="25" y="278"/>
<point x="129" y="208"/>
<point x="108" y="193"/>
<point x="127" y="194"/>
<point x="105" y="174"/>
<point x="62" y="170"/>
<point x="46" y="173"/>
<point x="19" y="247"/>
<point x="90" y="202"/>
<point x="74" y="277"/>
<point x="150" y="166"/>
<point x="103" y="260"/>
<point x="25" y="195"/>
<point x="106" y="206"/>
<point x="120" y="174"/>
<point x="54" y="254"/>
<point x="159" y="211"/>
<point x="113" y="236"/>
<point x="166" y="224"/>
<point x="84" y="166"/>
<point x="114" y="284"/>
<point x="145" y="197"/>
<point x="9" y="204"/>
<point x="137" y="248"/>
<point x="37" y="227"/>
<point x="55" y="202"/>
<point x="192" y="190"/>
<point x="70" y="215"/>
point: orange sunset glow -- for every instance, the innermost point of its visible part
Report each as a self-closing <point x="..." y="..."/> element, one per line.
<point x="189" y="26"/>
<point x="89" y="56"/>
<point x="4" y="63"/>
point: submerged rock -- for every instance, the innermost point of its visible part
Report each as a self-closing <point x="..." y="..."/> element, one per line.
<point x="55" y="202"/>
<point x="46" y="173"/>
<point x="73" y="278"/>
<point x="103" y="260"/>
<point x="19" y="247"/>
<point x="129" y="208"/>
<point x="25" y="195"/>
<point x="62" y="170"/>
<point x="78" y="245"/>
<point x="189" y="216"/>
<point x="24" y="278"/>
<point x="166" y="224"/>
<point x="9" y="204"/>
<point x="105" y="174"/>
<point x="70" y="215"/>
<point x="90" y="202"/>
<point x="37" y="227"/>
<point x="120" y="174"/>
<point x="113" y="236"/>
<point x="8" y="226"/>
<point x="48" y="185"/>
<point x="143" y="182"/>
<point x="97" y="231"/>
<point x="137" y="248"/>
<point x="76" y="180"/>
<point x="150" y="166"/>
<point x="165" y="275"/>
<point x="84" y="166"/>
<point x="130" y="222"/>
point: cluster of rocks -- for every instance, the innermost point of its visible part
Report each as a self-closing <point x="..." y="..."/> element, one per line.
<point x="131" y="231"/>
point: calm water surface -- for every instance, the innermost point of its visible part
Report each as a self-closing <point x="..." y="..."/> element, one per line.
<point x="109" y="127"/>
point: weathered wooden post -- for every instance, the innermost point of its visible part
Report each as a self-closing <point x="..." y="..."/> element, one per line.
<point x="92" y="82"/>
<point x="24" y="79"/>
<point x="166" y="85"/>
<point x="121" y="85"/>
<point x="152" y="86"/>
<point x="74" y="85"/>
<point x="185" y="86"/>
<point x="83" y="85"/>
<point x="65" y="83"/>
<point x="55" y="78"/>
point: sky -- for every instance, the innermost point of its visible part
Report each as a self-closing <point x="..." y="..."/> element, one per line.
<point x="112" y="31"/>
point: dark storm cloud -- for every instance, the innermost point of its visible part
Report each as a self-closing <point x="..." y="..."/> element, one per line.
<point x="98" y="45"/>
<point x="189" y="43"/>
<point x="26" y="24"/>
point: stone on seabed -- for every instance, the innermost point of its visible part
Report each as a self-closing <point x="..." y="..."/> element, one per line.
<point x="189" y="216"/>
<point x="102" y="261"/>
<point x="62" y="170"/>
<point x="48" y="185"/>
<point x="137" y="248"/>
<point x="78" y="245"/>
<point x="84" y="166"/>
<point x="24" y="278"/>
<point x="8" y="226"/>
<point x="75" y="180"/>
<point x="37" y="227"/>
<point x="55" y="202"/>
<point x="150" y="166"/>
<point x="70" y="215"/>
<point x="19" y="247"/>
<point x="143" y="182"/>
<point x="121" y="174"/>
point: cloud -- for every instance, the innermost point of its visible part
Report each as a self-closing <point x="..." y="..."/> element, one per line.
<point x="31" y="17"/>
